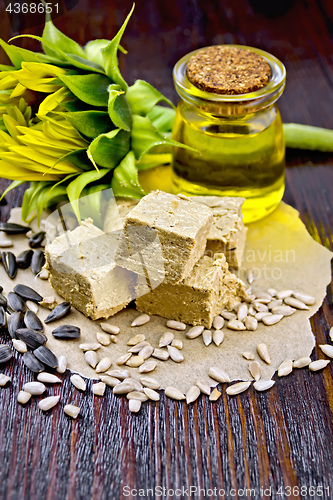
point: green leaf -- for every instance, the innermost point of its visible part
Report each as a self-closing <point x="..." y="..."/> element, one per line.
<point x="125" y="181"/>
<point x="78" y="158"/>
<point x="93" y="50"/>
<point x="119" y="110"/>
<point x="109" y="53"/>
<point x="91" y="203"/>
<point x="108" y="149"/>
<point x="91" y="89"/>
<point x="48" y="196"/>
<point x="89" y="123"/>
<point x="30" y="199"/>
<point x="11" y="186"/>
<point x="75" y="188"/>
<point x="53" y="35"/>
<point x="162" y="118"/>
<point x="4" y="67"/>
<point x="142" y="97"/>
<point x="153" y="160"/>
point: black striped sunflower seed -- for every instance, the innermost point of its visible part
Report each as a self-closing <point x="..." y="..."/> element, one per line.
<point x="60" y="311"/>
<point x="16" y="303"/>
<point x="33" y="322"/>
<point x="32" y="338"/>
<point x="1" y="289"/>
<point x="9" y="264"/>
<point x="23" y="261"/>
<point x="15" y="322"/>
<point x="3" y="318"/>
<point x="11" y="228"/>
<point x="46" y="356"/>
<point x="5" y="353"/>
<point x="27" y="293"/>
<point x="3" y="301"/>
<point x="67" y="332"/>
<point x="37" y="261"/>
<point x="32" y="362"/>
<point x="36" y="239"/>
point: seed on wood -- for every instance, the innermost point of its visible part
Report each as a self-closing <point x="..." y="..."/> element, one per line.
<point x="327" y="349"/>
<point x="118" y="373"/>
<point x="124" y="358"/>
<point x="135" y="349"/>
<point x="67" y="332"/>
<point x="23" y="261"/>
<point x="263" y="385"/>
<point x="176" y="325"/>
<point x="173" y="393"/>
<point x="136" y="384"/>
<point x="272" y="320"/>
<point x="136" y="339"/>
<point x="44" y="274"/>
<point x="12" y="228"/>
<point x="110" y="328"/>
<point x="91" y="358"/>
<point x="160" y="354"/>
<point x="123" y="388"/>
<point x="147" y="367"/>
<point x="274" y="303"/>
<point x="134" y="405"/>
<point x="318" y="365"/>
<point x="103" y="338"/>
<point x="32" y="306"/>
<point x="214" y="396"/>
<point x="218" y="337"/>
<point x="284" y="294"/>
<point x="34" y="388"/>
<point x="149" y="382"/>
<point x="248" y="355"/>
<point x="195" y="332"/>
<point x="259" y="307"/>
<point x="192" y="394"/>
<point x="306" y="299"/>
<point x="62" y="364"/>
<point x="72" y="410"/>
<point x="5" y="353"/>
<point x="135" y="361"/>
<point x="301" y="362"/>
<point x="103" y="365"/>
<point x="27" y="293"/>
<point x="285" y="368"/>
<point x="218" y="322"/>
<point x="9" y="264"/>
<point x="110" y="381"/>
<point x="48" y="403"/>
<point x="235" y="389"/>
<point x="272" y="292"/>
<point x="151" y="394"/>
<point x="242" y="312"/>
<point x="36" y="239"/>
<point x="251" y="323"/>
<point x="291" y="301"/>
<point x="139" y="396"/>
<point x="37" y="261"/>
<point x="284" y="310"/>
<point x="89" y="347"/>
<point x="219" y="375"/>
<point x="262" y="350"/>
<point x="255" y="370"/>
<point x="46" y="356"/>
<point x="23" y="397"/>
<point x="146" y="352"/>
<point x="3" y="318"/>
<point x="203" y="386"/>
<point x="175" y="355"/>
<point x="207" y="337"/>
<point x="19" y="346"/>
<point x="228" y="315"/>
<point x="141" y="320"/>
<point x="251" y="275"/>
<point x="4" y="379"/>
<point x="48" y="378"/>
<point x="78" y="382"/>
<point x="99" y="389"/>
<point x="58" y="312"/>
<point x="16" y="303"/>
<point x="31" y="362"/>
<point x="33" y="322"/>
<point x="177" y="343"/>
<point x="166" y="339"/>
<point x="235" y="324"/>
<point x="261" y="315"/>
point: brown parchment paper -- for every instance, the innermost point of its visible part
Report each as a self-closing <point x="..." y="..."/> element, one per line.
<point x="283" y="256"/>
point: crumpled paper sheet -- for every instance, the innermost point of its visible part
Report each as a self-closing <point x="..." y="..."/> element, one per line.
<point x="278" y="247"/>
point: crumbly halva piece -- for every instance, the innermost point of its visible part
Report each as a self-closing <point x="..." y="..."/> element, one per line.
<point x="115" y="213"/>
<point x="228" y="233"/>
<point x="164" y="236"/>
<point x="198" y="298"/>
<point x="83" y="271"/>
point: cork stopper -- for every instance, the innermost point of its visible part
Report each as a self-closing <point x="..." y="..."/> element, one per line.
<point x="228" y="70"/>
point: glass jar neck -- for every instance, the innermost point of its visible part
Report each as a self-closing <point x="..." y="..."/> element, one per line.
<point x="228" y="105"/>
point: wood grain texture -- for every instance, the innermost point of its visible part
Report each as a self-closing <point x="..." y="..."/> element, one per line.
<point x="279" y="439"/>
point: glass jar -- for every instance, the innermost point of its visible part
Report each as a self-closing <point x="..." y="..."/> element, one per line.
<point x="237" y="143"/>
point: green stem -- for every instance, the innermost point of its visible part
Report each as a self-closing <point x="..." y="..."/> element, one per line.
<point x="308" y="137"/>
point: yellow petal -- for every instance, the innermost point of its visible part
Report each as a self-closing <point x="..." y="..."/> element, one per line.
<point x="8" y="82"/>
<point x="43" y="159"/>
<point x="52" y="101"/>
<point x="40" y="85"/>
<point x="18" y="91"/>
<point x="13" y="172"/>
<point x="11" y="126"/>
<point x="41" y="70"/>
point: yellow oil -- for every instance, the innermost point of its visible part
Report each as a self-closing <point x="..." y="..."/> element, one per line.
<point x="235" y="156"/>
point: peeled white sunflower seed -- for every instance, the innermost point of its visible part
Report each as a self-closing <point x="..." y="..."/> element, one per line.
<point x="20" y="346"/>
<point x="219" y="375"/>
<point x="124" y="358"/>
<point x="110" y="328"/>
<point x="285" y="368"/>
<point x="103" y="338"/>
<point x="215" y="395"/>
<point x="151" y="394"/>
<point x="173" y="393"/>
<point x="136" y="339"/>
<point x="32" y="306"/>
<point x="4" y="379"/>
<point x="146" y="352"/>
<point x="242" y="312"/>
<point x="34" y="388"/>
<point x="177" y="343"/>
<point x="291" y="301"/>
<point x="259" y="307"/>
<point x="255" y="370"/>
<point x="250" y="298"/>
<point x="318" y="365"/>
<point x="252" y="311"/>
<point x="228" y="315"/>
<point x="90" y="347"/>
<point x="251" y="323"/>
<point x="264" y="296"/>
<point x="302" y="362"/>
<point x="149" y="382"/>
<point x="141" y="320"/>
<point x="62" y="364"/>
<point x="327" y="349"/>
<point x="207" y="337"/>
<point x="261" y="315"/>
<point x="284" y="294"/>
<point x="78" y="382"/>
<point x="192" y="394"/>
<point x="43" y="275"/>
<point x="103" y="365"/>
<point x="175" y="355"/>
<point x="5" y="243"/>
<point x="72" y="410"/>
<point x="23" y="397"/>
<point x="110" y="381"/>
<point x="48" y="378"/>
<point x="99" y="389"/>
<point x="166" y="339"/>
<point x="218" y="337"/>
<point x="195" y="332"/>
<point x="134" y="405"/>
<point x="331" y="333"/>
<point x="91" y="358"/>
<point x="306" y="299"/>
<point x="139" y="396"/>
<point x="263" y="352"/>
<point x="160" y="354"/>
<point x="123" y="388"/>
<point x="121" y="374"/>
<point x="235" y="324"/>
<point x="203" y="386"/>
<point x="274" y="303"/>
<point x="235" y="389"/>
<point x="48" y="403"/>
<point x="263" y="385"/>
<point x="136" y="384"/>
<point x="272" y="292"/>
<point x="251" y="275"/>
<point x="147" y="367"/>
<point x="137" y="348"/>
<point x="248" y="355"/>
<point x="135" y="361"/>
<point x="176" y="325"/>
<point x="272" y="319"/>
<point x="284" y="310"/>
<point x="218" y="322"/>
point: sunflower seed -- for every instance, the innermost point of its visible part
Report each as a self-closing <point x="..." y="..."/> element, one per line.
<point x="48" y="403"/>
<point x="114" y="339"/>
<point x="124" y="358"/>
<point x="252" y="311"/>
<point x="262" y="350"/>
<point x="214" y="396"/>
<point x="160" y="354"/>
<point x="141" y="320"/>
<point x="228" y="315"/>
<point x="251" y="275"/>
<point x="99" y="389"/>
<point x="284" y="310"/>
<point x="5" y="353"/>
<point x="262" y="300"/>
<point x="284" y="294"/>
<point x="192" y="394"/>
<point x="242" y="312"/>
<point x="272" y="320"/>
<point x="173" y="393"/>
<point x="48" y="378"/>
<point x="136" y="339"/>
<point x="235" y="389"/>
<point x="318" y="365"/>
<point x="175" y="355"/>
<point x="46" y="356"/>
<point x="248" y="355"/>
<point x="16" y="303"/>
<point x="11" y="228"/>
<point x="49" y="302"/>
<point x="235" y="324"/>
<point x="4" y="379"/>
<point x="218" y="375"/>
<point x="121" y="374"/>
<point x="264" y="296"/>
<point x="135" y="361"/>
<point x="44" y="274"/>
<point x="261" y="315"/>
<point x="137" y="348"/>
<point x="136" y="384"/>
<point x="31" y="362"/>
<point x="291" y="301"/>
<point x="176" y="325"/>
<point x="110" y="328"/>
<point x="9" y="264"/>
<point x="263" y="385"/>
<point x="123" y="388"/>
<point x="3" y="318"/>
<point x="251" y="323"/>
<point x="72" y="410"/>
<point x="147" y="367"/>
<point x="195" y="332"/>
<point x="149" y="382"/>
<point x="32" y="321"/>
<point x="89" y="347"/>
<point x="3" y="301"/>
<point x="139" y="396"/>
<point x="302" y="362"/>
<point x="32" y="306"/>
<point x="62" y="364"/>
<point x="36" y="239"/>
<point x="255" y="370"/>
<point x="32" y="338"/>
<point x="203" y="386"/>
<point x="19" y="346"/>
<point x="23" y="397"/>
<point x="218" y="322"/>
<point x="5" y="243"/>
<point x="67" y="332"/>
<point x="37" y="261"/>
<point x="34" y="388"/>
<point x="103" y="338"/>
<point x="274" y="303"/>
<point x="91" y="358"/>
<point x="177" y="343"/>
<point x="103" y="365"/>
<point x="218" y="337"/>
<point x="78" y="382"/>
<point x="285" y="368"/>
<point x="134" y="405"/>
<point x="207" y="337"/>
<point x="110" y="381"/>
<point x="259" y="307"/>
<point x="306" y="299"/>
<point x="27" y="293"/>
<point x="23" y="261"/>
<point x="58" y="312"/>
<point x="151" y="394"/>
<point x="272" y="292"/>
<point x="327" y="349"/>
<point x="166" y="339"/>
<point x="146" y="352"/>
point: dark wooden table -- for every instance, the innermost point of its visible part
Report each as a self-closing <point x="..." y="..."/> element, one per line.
<point x="281" y="440"/>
